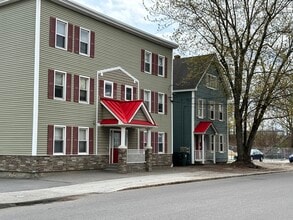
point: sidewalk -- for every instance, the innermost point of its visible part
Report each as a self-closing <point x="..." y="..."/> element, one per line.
<point x="58" y="186"/>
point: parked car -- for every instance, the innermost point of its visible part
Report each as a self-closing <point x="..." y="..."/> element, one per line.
<point x="256" y="154"/>
<point x="291" y="158"/>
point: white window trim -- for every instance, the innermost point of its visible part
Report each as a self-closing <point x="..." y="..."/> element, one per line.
<point x="112" y="89"/>
<point x="212" y="141"/>
<point x="200" y="106"/>
<point x="66" y="34"/>
<point x="88" y="90"/>
<point x="125" y="92"/>
<point x="64" y="139"/>
<point x="89" y="41"/>
<point x="163" y="102"/>
<point x="150" y="100"/>
<point x="212" y="104"/>
<point x="145" y="139"/>
<point x="150" y="53"/>
<point x="163" y="71"/>
<point x="221" y="107"/>
<point x="87" y="140"/>
<point x="64" y="85"/>
<point x="163" y="142"/>
<point x="208" y="84"/>
<point x="223" y="143"/>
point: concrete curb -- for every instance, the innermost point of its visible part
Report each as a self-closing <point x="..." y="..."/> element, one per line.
<point x="29" y="197"/>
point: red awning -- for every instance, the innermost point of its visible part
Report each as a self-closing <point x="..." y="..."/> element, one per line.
<point x="125" y="111"/>
<point x="203" y="126"/>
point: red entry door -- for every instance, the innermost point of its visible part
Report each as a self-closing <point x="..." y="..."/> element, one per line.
<point x="115" y="143"/>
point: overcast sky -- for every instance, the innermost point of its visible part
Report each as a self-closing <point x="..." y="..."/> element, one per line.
<point x="131" y="12"/>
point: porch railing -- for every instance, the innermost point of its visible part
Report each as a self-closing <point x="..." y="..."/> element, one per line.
<point x="135" y="156"/>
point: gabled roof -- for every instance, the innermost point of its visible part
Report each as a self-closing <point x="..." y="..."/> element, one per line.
<point x="107" y="20"/>
<point x="203" y="126"/>
<point x="188" y="72"/>
<point x="124" y="113"/>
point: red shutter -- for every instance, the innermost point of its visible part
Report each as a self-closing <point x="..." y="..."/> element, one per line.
<point x="76" y="39"/>
<point x="76" y="88"/>
<point x="115" y="91"/>
<point x="75" y="140"/>
<point x="142" y="60"/>
<point x="52" y="32"/>
<point x="166" y="104"/>
<point x="68" y="140"/>
<point x="50" y="84"/>
<point x="122" y="92"/>
<point x="101" y="88"/>
<point x="141" y="139"/>
<point x="141" y="94"/>
<point x="153" y="64"/>
<point x="70" y="37"/>
<point x="134" y="93"/>
<point x="68" y="87"/>
<point x="92" y="91"/>
<point x="166" y="142"/>
<point x="50" y="139"/>
<point x="156" y="103"/>
<point x="166" y="67"/>
<point x="91" y="141"/>
<point x="92" y="49"/>
<point x="153" y="102"/>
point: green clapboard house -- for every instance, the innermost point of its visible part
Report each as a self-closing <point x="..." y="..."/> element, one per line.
<point x="80" y="90"/>
<point x="200" y="110"/>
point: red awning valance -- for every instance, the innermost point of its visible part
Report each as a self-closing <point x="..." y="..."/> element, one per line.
<point x="124" y="113"/>
<point x="203" y="126"/>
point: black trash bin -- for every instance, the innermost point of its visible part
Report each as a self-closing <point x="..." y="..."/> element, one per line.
<point x="180" y="158"/>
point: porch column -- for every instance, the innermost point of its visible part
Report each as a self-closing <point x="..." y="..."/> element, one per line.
<point x="122" y="153"/>
<point x="203" y="149"/>
<point x="149" y="152"/>
<point x="214" y="137"/>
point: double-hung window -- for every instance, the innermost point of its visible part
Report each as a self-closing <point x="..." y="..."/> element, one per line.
<point x="61" y="34"/>
<point x="83" y="140"/>
<point x="108" y="89"/>
<point x="211" y="81"/>
<point x="221" y="143"/>
<point x="200" y="108"/>
<point x="84" y="89"/>
<point x="145" y="139"/>
<point x="59" y="85"/>
<point x="147" y="61"/>
<point x="161" y="65"/>
<point x="221" y="116"/>
<point x="59" y="139"/>
<point x="147" y="99"/>
<point x="128" y="93"/>
<point x="161" y="140"/>
<point x="212" y="110"/>
<point x="84" y="44"/>
<point x="161" y="103"/>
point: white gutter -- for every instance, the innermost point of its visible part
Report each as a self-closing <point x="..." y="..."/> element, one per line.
<point x="36" y="79"/>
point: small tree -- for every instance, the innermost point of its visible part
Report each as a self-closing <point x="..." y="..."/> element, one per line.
<point x="253" y="40"/>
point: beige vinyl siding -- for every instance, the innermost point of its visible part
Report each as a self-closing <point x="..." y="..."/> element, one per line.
<point x="113" y="48"/>
<point x="103" y="137"/>
<point x="17" y="32"/>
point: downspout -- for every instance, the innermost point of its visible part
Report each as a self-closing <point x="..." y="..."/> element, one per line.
<point x="192" y="125"/>
<point x="36" y="79"/>
<point x="97" y="106"/>
<point x="171" y="101"/>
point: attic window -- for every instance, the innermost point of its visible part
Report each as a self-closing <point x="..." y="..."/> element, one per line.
<point x="211" y="81"/>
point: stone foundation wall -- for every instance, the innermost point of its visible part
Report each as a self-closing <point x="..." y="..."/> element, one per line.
<point x="44" y="164"/>
<point x="39" y="164"/>
<point x="162" y="159"/>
